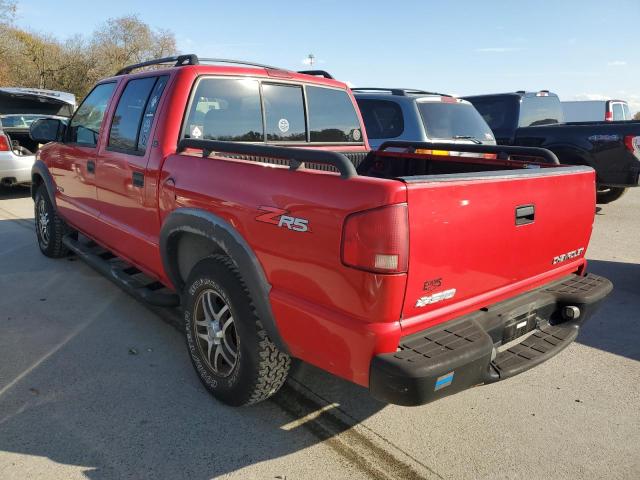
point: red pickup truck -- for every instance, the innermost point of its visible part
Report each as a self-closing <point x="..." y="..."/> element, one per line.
<point x="246" y="195"/>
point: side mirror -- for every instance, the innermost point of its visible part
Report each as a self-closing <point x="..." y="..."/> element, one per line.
<point x="45" y="130"/>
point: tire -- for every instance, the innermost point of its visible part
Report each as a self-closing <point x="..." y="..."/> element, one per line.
<point x="609" y="194"/>
<point x="50" y="228"/>
<point x="229" y="348"/>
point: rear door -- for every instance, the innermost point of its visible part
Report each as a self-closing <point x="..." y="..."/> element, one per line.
<point x="474" y="238"/>
<point x="126" y="194"/>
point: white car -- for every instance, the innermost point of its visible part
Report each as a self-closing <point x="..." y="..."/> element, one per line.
<point x="19" y="108"/>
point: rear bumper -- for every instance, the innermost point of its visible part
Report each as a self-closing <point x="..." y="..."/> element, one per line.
<point x="489" y="345"/>
<point x="16" y="167"/>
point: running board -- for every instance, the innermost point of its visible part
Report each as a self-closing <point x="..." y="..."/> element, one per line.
<point x="126" y="276"/>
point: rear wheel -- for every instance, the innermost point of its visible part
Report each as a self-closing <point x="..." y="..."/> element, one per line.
<point x="229" y="348"/>
<point x="50" y="228"/>
<point x="609" y="194"/>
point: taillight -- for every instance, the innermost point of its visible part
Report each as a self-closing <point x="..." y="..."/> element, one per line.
<point x="633" y="144"/>
<point x="608" y="116"/>
<point x="4" y="143"/>
<point x="377" y="240"/>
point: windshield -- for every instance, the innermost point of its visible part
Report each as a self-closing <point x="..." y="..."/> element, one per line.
<point x="18" y="121"/>
<point x="454" y="121"/>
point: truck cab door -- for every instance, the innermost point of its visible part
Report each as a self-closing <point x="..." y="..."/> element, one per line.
<point x="126" y="191"/>
<point x="73" y="164"/>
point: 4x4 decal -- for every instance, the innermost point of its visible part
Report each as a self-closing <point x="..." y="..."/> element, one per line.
<point x="279" y="217"/>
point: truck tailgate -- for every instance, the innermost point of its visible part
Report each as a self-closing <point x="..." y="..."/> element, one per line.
<point x="477" y="236"/>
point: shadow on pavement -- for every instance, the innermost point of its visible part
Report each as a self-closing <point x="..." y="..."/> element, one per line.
<point x="615" y="327"/>
<point x="18" y="191"/>
<point x="91" y="378"/>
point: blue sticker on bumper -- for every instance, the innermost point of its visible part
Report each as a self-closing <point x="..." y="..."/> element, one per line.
<point x="444" y="381"/>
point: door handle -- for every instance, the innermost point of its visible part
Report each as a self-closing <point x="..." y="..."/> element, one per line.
<point x="138" y="179"/>
<point x="525" y="214"/>
<point x="91" y="166"/>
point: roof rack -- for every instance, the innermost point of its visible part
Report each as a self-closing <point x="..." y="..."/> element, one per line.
<point x="317" y="73"/>
<point x="191" y="59"/>
<point x="403" y="92"/>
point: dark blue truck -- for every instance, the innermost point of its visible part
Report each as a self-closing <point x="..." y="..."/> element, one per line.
<point x="535" y="119"/>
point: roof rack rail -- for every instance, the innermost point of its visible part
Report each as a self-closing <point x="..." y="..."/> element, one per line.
<point x="317" y="73"/>
<point x="177" y="60"/>
<point x="403" y="92"/>
<point x="190" y="59"/>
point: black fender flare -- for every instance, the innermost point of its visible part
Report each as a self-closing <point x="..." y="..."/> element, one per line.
<point x="227" y="238"/>
<point x="40" y="169"/>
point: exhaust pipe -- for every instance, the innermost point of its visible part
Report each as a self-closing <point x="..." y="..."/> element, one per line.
<point x="8" y="181"/>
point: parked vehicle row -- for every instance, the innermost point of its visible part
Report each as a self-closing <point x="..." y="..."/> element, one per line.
<point x="248" y="196"/>
<point x="419" y="116"/>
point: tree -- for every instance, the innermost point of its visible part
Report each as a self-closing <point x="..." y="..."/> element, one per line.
<point x="42" y="61"/>
<point x="7" y="11"/>
<point x="636" y="116"/>
<point x="126" y="40"/>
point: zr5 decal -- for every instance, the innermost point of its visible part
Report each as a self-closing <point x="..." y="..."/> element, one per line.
<point x="279" y="217"/>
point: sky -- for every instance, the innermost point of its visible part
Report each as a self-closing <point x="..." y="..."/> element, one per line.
<point x="577" y="49"/>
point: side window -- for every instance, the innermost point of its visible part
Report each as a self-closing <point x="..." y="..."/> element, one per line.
<point x="332" y="117"/>
<point x="618" y="112"/>
<point x="382" y="118"/>
<point x="84" y="127"/>
<point x="134" y="114"/>
<point x="284" y="113"/>
<point x="225" y="109"/>
<point x="150" y="112"/>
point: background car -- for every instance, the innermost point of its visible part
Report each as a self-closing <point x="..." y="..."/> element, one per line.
<point x="419" y="116"/>
<point x="535" y="119"/>
<point x="19" y="108"/>
<point x="596" y="111"/>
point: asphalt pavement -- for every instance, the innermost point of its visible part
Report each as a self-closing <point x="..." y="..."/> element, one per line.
<point x="94" y="384"/>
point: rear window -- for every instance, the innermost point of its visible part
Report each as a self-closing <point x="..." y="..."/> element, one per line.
<point x="12" y="103"/>
<point x="540" y="111"/>
<point x="627" y="112"/>
<point x="232" y="110"/>
<point x="382" y="118"/>
<point x="332" y="117"/>
<point x="451" y="121"/>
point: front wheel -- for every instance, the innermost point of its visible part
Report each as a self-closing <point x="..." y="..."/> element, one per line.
<point x="229" y="347"/>
<point x="609" y="194"/>
<point x="50" y="228"/>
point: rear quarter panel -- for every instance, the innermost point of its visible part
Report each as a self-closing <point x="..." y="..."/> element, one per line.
<point x="325" y="311"/>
